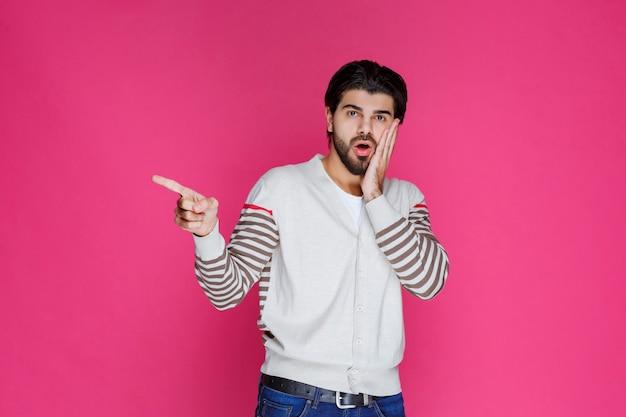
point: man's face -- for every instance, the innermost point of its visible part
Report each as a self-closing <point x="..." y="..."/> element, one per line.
<point x="360" y="118"/>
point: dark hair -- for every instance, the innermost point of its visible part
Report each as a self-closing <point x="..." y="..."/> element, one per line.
<point x="371" y="77"/>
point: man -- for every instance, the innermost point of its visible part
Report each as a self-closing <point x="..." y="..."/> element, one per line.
<point x="331" y="242"/>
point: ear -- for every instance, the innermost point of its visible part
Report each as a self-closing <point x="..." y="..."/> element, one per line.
<point x="329" y="120"/>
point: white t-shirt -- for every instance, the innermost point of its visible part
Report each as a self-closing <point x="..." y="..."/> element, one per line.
<point x="354" y="204"/>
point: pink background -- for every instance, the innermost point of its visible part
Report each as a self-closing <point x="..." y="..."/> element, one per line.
<point x="514" y="132"/>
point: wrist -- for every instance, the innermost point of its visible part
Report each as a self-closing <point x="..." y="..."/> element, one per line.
<point x="367" y="197"/>
<point x="210" y="229"/>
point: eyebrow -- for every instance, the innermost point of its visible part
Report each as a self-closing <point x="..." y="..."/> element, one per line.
<point x="360" y="109"/>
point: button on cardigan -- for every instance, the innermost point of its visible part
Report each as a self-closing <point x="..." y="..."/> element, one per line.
<point x="329" y="290"/>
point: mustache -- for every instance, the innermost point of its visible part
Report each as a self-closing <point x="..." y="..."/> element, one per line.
<point x="367" y="138"/>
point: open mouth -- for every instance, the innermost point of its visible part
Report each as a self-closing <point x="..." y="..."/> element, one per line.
<point x="362" y="149"/>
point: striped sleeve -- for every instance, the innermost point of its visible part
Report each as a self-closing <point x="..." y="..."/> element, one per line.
<point x="227" y="272"/>
<point x="416" y="256"/>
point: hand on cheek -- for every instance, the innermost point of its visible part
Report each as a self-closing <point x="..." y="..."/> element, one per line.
<point x="372" y="181"/>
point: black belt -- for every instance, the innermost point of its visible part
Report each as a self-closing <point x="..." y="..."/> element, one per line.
<point x="300" y="389"/>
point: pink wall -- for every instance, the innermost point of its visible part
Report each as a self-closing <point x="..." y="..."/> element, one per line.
<point x="514" y="131"/>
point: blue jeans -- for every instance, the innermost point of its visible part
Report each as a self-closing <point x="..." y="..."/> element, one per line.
<point x="273" y="403"/>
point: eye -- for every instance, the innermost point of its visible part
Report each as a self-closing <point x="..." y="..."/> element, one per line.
<point x="351" y="111"/>
<point x="381" y="117"/>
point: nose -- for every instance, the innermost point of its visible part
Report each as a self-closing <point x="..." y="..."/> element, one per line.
<point x="365" y="128"/>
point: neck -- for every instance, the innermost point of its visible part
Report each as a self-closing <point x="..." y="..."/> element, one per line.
<point x="338" y="172"/>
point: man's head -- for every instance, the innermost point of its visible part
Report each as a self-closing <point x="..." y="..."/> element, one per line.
<point x="362" y="100"/>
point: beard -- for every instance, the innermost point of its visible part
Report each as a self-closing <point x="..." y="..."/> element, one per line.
<point x="357" y="165"/>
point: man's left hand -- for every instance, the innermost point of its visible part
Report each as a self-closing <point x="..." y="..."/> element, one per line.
<point x="372" y="181"/>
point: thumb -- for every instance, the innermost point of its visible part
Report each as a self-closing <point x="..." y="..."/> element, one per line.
<point x="204" y="204"/>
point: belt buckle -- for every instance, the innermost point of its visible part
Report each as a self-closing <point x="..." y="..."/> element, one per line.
<point x="337" y="401"/>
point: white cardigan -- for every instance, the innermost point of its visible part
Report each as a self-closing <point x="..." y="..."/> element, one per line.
<point x="330" y="292"/>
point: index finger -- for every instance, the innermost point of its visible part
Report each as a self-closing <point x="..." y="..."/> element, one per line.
<point x="172" y="185"/>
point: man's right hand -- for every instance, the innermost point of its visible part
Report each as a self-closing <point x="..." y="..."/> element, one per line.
<point x="194" y="212"/>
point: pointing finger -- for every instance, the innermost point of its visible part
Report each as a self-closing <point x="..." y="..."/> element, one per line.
<point x="172" y="186"/>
